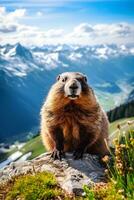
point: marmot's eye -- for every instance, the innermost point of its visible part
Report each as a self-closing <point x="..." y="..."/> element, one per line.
<point x="64" y="79"/>
<point x="85" y="78"/>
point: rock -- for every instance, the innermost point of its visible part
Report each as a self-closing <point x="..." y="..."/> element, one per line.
<point x="71" y="174"/>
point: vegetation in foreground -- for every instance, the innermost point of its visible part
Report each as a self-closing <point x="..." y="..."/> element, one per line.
<point x="120" y="171"/>
<point x="40" y="186"/>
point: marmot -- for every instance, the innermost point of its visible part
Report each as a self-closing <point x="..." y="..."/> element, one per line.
<point x="72" y="119"/>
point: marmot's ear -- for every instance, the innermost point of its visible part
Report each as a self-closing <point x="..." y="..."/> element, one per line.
<point x="85" y="78"/>
<point x="58" y="78"/>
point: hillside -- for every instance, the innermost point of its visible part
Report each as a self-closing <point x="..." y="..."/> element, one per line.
<point x="123" y="111"/>
<point x="26" y="75"/>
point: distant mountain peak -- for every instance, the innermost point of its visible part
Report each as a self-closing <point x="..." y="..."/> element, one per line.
<point x="23" y="51"/>
<point x="8" y="51"/>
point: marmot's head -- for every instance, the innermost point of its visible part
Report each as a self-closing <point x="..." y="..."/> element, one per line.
<point x="73" y="84"/>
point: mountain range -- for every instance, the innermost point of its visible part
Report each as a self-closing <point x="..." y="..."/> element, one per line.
<point x="27" y="73"/>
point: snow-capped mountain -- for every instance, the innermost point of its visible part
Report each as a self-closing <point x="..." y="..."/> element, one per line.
<point x="26" y="75"/>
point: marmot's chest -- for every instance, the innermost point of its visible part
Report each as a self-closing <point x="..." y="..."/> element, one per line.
<point x="75" y="115"/>
<point x="72" y="118"/>
<point x="70" y="128"/>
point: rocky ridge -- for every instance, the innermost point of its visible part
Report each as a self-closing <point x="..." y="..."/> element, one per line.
<point x="71" y="174"/>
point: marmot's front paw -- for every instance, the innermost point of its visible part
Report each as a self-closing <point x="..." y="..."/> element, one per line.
<point x="78" y="153"/>
<point x="57" y="154"/>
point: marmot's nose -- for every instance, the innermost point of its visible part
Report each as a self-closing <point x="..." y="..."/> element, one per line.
<point x="73" y="86"/>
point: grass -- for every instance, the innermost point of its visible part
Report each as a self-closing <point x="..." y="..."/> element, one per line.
<point x="40" y="186"/>
<point x="122" y="122"/>
<point x="33" y="187"/>
<point x="35" y="146"/>
<point x="120" y="171"/>
<point x="102" y="192"/>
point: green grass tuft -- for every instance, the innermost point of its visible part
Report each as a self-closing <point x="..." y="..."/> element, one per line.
<point x="102" y="192"/>
<point x="32" y="187"/>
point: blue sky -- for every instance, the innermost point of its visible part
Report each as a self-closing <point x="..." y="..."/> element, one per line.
<point x="68" y="14"/>
<point x="72" y="12"/>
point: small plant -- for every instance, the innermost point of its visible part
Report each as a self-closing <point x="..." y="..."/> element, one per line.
<point x="32" y="187"/>
<point x="102" y="191"/>
<point x="120" y="171"/>
<point x="89" y="193"/>
<point x="123" y="169"/>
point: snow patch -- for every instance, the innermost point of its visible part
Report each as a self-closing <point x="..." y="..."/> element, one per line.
<point x="24" y="157"/>
<point x="11" y="158"/>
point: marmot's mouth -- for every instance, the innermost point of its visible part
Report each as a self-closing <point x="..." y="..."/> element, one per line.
<point x="73" y="96"/>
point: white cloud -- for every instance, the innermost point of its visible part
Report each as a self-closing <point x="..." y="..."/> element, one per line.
<point x="12" y="31"/>
<point x="119" y="29"/>
<point x="9" y="21"/>
<point x="39" y="14"/>
<point x="15" y="15"/>
<point x="54" y="33"/>
<point x="102" y="33"/>
<point x="82" y="30"/>
<point x="2" y="10"/>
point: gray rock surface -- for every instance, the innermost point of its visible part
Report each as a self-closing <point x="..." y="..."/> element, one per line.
<point x="71" y="174"/>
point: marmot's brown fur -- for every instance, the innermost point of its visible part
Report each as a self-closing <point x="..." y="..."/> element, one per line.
<point x="72" y="119"/>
